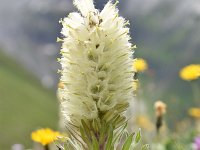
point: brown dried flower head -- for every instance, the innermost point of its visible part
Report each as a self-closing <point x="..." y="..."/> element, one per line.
<point x="160" y="108"/>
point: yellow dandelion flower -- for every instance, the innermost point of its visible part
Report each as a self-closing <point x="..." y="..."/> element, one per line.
<point x="44" y="136"/>
<point x="160" y="108"/>
<point x="194" y="112"/>
<point x="140" y="65"/>
<point x="190" y="72"/>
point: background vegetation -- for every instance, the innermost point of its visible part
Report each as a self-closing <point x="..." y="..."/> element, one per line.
<point x="24" y="105"/>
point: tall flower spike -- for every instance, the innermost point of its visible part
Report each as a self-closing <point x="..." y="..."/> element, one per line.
<point x="97" y="70"/>
<point x="96" y="62"/>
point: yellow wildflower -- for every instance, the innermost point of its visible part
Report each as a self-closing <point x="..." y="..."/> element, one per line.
<point x="140" y="65"/>
<point x="194" y="112"/>
<point x="160" y="108"/>
<point x="44" y="136"/>
<point x="190" y="72"/>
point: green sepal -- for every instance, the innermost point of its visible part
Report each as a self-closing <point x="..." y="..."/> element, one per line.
<point x="86" y="129"/>
<point x="121" y="107"/>
<point x="84" y="136"/>
<point x="109" y="143"/>
<point x="95" y="143"/>
<point x="102" y="133"/>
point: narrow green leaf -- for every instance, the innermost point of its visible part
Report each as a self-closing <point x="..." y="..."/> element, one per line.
<point x="138" y="136"/>
<point x="86" y="129"/>
<point x="102" y="133"/>
<point x="110" y="138"/>
<point x="95" y="143"/>
<point x="128" y="142"/>
<point x="85" y="138"/>
<point x="112" y="148"/>
<point x="95" y="125"/>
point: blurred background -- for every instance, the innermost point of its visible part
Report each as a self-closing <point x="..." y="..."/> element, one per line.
<point x="167" y="35"/>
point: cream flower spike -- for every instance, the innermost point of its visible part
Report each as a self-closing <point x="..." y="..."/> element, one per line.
<point x="96" y="84"/>
<point x="96" y="63"/>
<point x="85" y="6"/>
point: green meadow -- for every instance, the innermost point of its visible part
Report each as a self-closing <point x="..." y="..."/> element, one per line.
<point x="24" y="105"/>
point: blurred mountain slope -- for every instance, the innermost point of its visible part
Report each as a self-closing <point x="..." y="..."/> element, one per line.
<point x="24" y="105"/>
<point x="28" y="33"/>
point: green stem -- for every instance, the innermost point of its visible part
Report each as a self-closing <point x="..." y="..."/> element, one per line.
<point x="159" y="123"/>
<point x="46" y="147"/>
<point x="196" y="92"/>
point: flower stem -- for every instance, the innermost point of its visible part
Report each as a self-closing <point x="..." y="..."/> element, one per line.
<point x="46" y="147"/>
<point x="158" y="123"/>
<point x="196" y="92"/>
